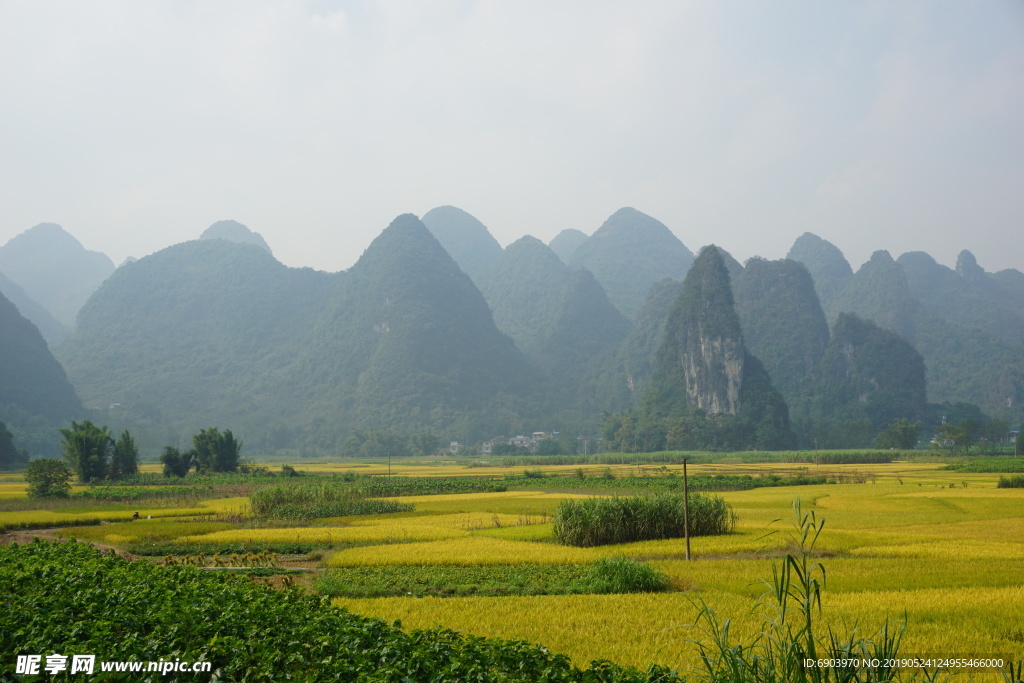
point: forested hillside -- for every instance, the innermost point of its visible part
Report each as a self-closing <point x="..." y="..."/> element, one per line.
<point x="464" y="237"/>
<point x="35" y="395"/>
<point x="567" y="242"/>
<point x="54" y="269"/>
<point x="199" y="334"/>
<point x="53" y="331"/>
<point x="217" y="332"/>
<point x="406" y="341"/>
<point x="967" y="324"/>
<point x="629" y="253"/>
<point x="525" y="287"/>
<point x="233" y="231"/>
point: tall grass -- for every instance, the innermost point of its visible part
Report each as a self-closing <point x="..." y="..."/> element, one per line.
<point x="1011" y="482"/>
<point x="587" y="522"/>
<point x="313" y="502"/>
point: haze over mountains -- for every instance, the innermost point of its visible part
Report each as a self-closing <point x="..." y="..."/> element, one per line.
<point x="437" y="327"/>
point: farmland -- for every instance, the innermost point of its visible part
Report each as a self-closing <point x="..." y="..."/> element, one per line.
<point x="941" y="548"/>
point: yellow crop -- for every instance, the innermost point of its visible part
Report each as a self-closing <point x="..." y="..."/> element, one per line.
<point x="142" y="529"/>
<point x="45" y="518"/>
<point x="325" y="535"/>
<point x="464" y="551"/>
<point x="509" y="502"/>
<point x="645" y="628"/>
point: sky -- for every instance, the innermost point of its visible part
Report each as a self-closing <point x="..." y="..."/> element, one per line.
<point x="877" y="125"/>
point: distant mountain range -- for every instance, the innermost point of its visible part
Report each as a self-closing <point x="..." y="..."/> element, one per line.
<point x="438" y="327"/>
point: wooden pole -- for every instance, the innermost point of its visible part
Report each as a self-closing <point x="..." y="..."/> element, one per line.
<point x="686" y="511"/>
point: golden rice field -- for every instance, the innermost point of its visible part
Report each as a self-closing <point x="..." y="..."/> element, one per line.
<point x="950" y="559"/>
<point x="143" y="530"/>
<point x="45" y="518"/>
<point x="942" y="548"/>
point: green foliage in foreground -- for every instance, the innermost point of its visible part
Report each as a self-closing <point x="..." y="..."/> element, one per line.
<point x="314" y="502"/>
<point x="588" y="522"/>
<point x="74" y="600"/>
<point x="608" y="575"/>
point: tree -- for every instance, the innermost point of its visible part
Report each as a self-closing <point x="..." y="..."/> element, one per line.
<point x="124" y="457"/>
<point x="214" y="451"/>
<point x="48" y="478"/>
<point x="424" y="442"/>
<point x="993" y="433"/>
<point x="10" y="456"/>
<point x="900" y="434"/>
<point x="176" y="463"/>
<point x="953" y="438"/>
<point x="88" y="448"/>
<point x="547" y="447"/>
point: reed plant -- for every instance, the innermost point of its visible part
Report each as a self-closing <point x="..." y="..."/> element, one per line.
<point x="790" y="643"/>
<point x="587" y="522"/>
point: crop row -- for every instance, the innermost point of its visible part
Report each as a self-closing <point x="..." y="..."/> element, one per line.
<point x="670" y="481"/>
<point x="994" y="464"/>
<point x="448" y="581"/>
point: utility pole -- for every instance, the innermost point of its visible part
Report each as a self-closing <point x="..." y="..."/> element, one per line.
<point x="686" y="511"/>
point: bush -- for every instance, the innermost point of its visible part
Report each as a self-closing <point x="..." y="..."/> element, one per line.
<point x="600" y="521"/>
<point x="1011" y="482"/>
<point x="623" y="575"/>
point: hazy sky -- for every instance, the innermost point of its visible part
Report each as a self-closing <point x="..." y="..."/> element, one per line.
<point x="889" y="125"/>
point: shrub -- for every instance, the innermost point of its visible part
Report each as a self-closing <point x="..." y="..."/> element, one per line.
<point x="1011" y="482"/>
<point x="623" y="575"/>
<point x="600" y="521"/>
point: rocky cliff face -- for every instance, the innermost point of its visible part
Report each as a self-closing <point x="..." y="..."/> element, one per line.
<point x="703" y="349"/>
<point x="714" y="375"/>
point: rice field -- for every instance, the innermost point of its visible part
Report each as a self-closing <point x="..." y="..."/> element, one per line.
<point x="35" y="519"/>
<point x="465" y="551"/>
<point x="945" y="549"/>
<point x="950" y="558"/>
<point x="150" y="530"/>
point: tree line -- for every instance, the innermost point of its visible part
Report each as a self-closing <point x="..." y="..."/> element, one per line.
<point x="92" y="455"/>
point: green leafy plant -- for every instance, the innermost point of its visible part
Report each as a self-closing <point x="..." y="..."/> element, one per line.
<point x="122" y="610"/>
